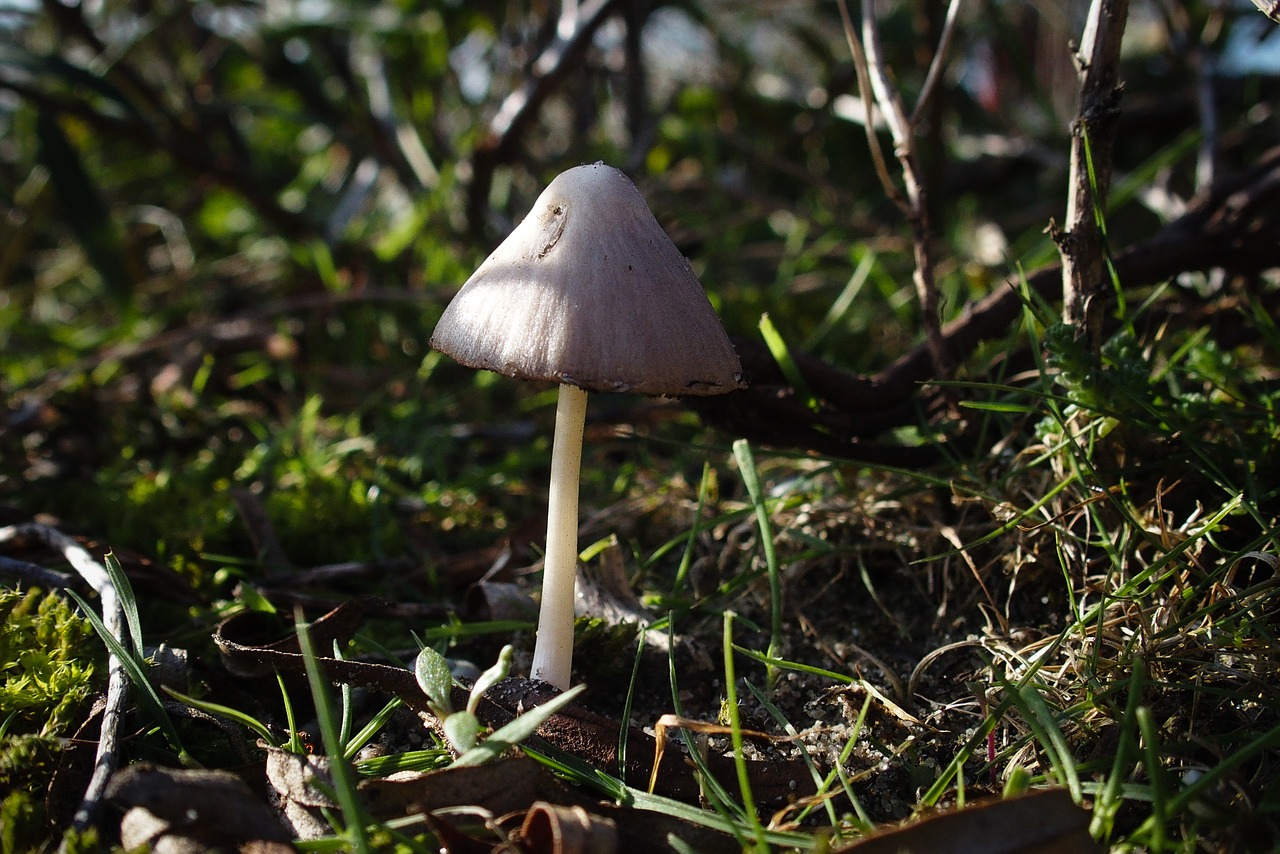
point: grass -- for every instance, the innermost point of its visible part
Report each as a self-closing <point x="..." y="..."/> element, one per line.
<point x="1081" y="617"/>
<point x="251" y="421"/>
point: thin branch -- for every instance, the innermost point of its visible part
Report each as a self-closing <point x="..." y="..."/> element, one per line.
<point x="914" y="206"/>
<point x="33" y="573"/>
<point x="1093" y="135"/>
<point x="886" y="93"/>
<point x="938" y="64"/>
<point x="95" y="574"/>
<point x="869" y="108"/>
<point x="1204" y="61"/>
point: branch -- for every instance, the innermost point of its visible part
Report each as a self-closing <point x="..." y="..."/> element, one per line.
<point x="869" y="61"/>
<point x="938" y="64"/>
<point x="117" y="698"/>
<point x="1092" y="137"/>
<point x="1234" y="228"/>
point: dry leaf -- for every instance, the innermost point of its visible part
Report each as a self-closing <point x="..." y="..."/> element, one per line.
<point x="1044" y="822"/>
<point x="177" y="811"/>
<point x="505" y="786"/>
<point x="292" y="778"/>
<point x="553" y="829"/>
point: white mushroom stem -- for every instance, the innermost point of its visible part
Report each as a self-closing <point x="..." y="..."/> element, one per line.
<point x="553" y="651"/>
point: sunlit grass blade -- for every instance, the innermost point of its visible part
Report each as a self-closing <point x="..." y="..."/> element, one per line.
<point x="340" y="770"/>
<point x="372" y="728"/>
<point x="245" y="720"/>
<point x="735" y="732"/>
<point x="128" y="601"/>
<point x="786" y="362"/>
<point x="136" y="668"/>
<point x="751" y="479"/>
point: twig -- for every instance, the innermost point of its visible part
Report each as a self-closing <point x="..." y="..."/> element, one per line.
<point x="33" y="573"/>
<point x="938" y="64"/>
<point x="1232" y="228"/>
<point x="1092" y="137"/>
<point x="870" y="64"/>
<point x="1197" y="48"/>
<point x="868" y="108"/>
<point x="95" y="574"/>
<point x="1204" y="60"/>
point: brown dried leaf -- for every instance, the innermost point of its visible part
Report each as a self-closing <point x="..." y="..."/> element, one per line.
<point x="553" y="829"/>
<point x="1044" y="822"/>
<point x="505" y="786"/>
<point x="178" y="811"/>
<point x="293" y="782"/>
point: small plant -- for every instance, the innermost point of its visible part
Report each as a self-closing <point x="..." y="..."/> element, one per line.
<point x="461" y="727"/>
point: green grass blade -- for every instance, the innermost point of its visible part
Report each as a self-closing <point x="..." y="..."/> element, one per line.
<point x="341" y="772"/>
<point x="751" y="479"/>
<point x="735" y="732"/>
<point x="518" y="730"/>
<point x="134" y="666"/>
<point x="245" y="720"/>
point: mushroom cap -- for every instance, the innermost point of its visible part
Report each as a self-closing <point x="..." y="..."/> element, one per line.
<point x="589" y="291"/>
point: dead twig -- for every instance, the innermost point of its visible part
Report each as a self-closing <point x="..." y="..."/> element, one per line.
<point x="32" y="573"/>
<point x="873" y="79"/>
<point x="95" y="574"/>
<point x="1084" y="271"/>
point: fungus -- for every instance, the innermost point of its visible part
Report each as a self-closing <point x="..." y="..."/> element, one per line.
<point x="590" y="293"/>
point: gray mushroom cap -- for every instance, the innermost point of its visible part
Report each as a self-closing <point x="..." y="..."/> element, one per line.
<point x="588" y="290"/>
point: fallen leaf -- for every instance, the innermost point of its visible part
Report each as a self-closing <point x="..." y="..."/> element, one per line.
<point x="177" y="811"/>
<point x="1044" y="822"/>
<point x="505" y="786"/>
<point x="555" y="829"/>
<point x="296" y="783"/>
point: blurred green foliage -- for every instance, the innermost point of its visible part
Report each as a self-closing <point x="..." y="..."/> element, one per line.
<point x="230" y="227"/>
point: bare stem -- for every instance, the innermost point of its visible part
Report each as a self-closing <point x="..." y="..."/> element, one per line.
<point x="553" y="652"/>
<point x="872" y="72"/>
<point x="107" y="758"/>
<point x="868" y="107"/>
<point x="939" y="62"/>
<point x="1093" y="132"/>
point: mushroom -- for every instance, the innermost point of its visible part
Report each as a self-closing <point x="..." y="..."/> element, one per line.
<point x="588" y="292"/>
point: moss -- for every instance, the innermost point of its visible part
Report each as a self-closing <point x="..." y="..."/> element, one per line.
<point x="21" y="823"/>
<point x="44" y="675"/>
